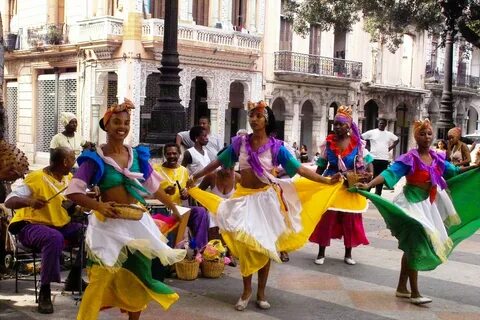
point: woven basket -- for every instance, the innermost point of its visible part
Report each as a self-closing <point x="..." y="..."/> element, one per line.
<point x="187" y="269"/>
<point x="129" y="211"/>
<point x="212" y="269"/>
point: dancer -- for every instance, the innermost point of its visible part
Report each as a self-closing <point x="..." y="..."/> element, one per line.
<point x="121" y="250"/>
<point x="427" y="224"/>
<point x="285" y="212"/>
<point x="343" y="151"/>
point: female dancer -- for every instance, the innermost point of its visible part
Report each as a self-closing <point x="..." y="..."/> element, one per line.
<point x="343" y="151"/>
<point x="121" y="250"/>
<point x="421" y="214"/>
<point x="284" y="213"/>
<point x="458" y="152"/>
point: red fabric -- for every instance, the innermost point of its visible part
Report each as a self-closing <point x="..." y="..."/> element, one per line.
<point x="420" y="177"/>
<point x="335" y="225"/>
<point x="333" y="145"/>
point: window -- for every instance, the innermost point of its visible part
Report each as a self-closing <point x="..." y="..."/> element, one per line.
<point x="239" y="13"/>
<point x="315" y="37"/>
<point x="285" y="30"/>
<point x="154" y="8"/>
<point x="200" y="12"/>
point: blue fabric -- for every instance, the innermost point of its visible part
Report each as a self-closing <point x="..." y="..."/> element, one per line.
<point x="100" y="165"/>
<point x="333" y="161"/>
<point x="287" y="161"/>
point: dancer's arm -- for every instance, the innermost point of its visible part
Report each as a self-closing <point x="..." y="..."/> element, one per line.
<point x="208" y="169"/>
<point x="309" y="174"/>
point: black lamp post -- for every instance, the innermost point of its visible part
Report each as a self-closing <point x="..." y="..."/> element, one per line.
<point x="168" y="115"/>
<point x="452" y="10"/>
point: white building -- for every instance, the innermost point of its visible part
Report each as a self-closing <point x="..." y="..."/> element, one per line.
<point x="82" y="56"/>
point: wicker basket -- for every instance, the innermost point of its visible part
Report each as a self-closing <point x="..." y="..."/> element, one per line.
<point x="129" y="211"/>
<point x="212" y="269"/>
<point x="187" y="269"/>
<point x="352" y="176"/>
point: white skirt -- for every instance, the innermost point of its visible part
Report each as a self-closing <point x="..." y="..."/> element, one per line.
<point x="433" y="217"/>
<point x="107" y="241"/>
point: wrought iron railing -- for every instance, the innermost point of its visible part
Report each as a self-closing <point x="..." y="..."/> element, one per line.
<point x="199" y="34"/>
<point x="458" y="80"/>
<point x="312" y="64"/>
<point x="44" y="35"/>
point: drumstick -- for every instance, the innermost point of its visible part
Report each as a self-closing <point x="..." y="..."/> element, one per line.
<point x="178" y="185"/>
<point x="56" y="194"/>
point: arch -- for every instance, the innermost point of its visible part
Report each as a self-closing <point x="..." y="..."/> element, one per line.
<point x="473" y="122"/>
<point x="402" y="127"/>
<point x="151" y="96"/>
<point x="198" y="100"/>
<point x="278" y="108"/>
<point x="235" y="115"/>
<point x="306" y="125"/>
<point x="332" y="110"/>
<point x="371" y="115"/>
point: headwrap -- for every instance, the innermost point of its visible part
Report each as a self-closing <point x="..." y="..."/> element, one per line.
<point x="126" y="106"/>
<point x="260" y="106"/>
<point x="420" y="125"/>
<point x="344" y="115"/>
<point x="456" y="132"/>
<point x="66" y="117"/>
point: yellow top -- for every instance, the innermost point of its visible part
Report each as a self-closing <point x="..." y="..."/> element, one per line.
<point x="179" y="174"/>
<point x="44" y="186"/>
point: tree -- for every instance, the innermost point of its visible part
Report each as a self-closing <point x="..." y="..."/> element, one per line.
<point x="385" y="20"/>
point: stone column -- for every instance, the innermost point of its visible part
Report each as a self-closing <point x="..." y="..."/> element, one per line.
<point x="317" y="137"/>
<point x="185" y="11"/>
<point x="214" y="13"/>
<point x="250" y="21"/>
<point x="288" y="129"/>
<point x="226" y="11"/>
<point x="295" y="132"/>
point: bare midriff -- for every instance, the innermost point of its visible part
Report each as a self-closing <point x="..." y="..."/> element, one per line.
<point x="250" y="180"/>
<point x="117" y="194"/>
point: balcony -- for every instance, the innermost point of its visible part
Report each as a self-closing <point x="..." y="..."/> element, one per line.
<point x="434" y="76"/>
<point x="292" y="63"/>
<point x="39" y="37"/>
<point x="152" y="30"/>
<point x="101" y="29"/>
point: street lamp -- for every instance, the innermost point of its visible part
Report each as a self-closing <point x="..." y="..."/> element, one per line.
<point x="452" y="10"/>
<point x="168" y="115"/>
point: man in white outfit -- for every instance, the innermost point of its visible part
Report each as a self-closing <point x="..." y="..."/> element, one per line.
<point x="381" y="142"/>
<point x="196" y="157"/>
<point x="213" y="146"/>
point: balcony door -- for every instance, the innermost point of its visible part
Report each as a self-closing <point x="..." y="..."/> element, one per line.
<point x="200" y="12"/>
<point x="239" y="14"/>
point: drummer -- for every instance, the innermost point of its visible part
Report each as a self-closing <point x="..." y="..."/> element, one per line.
<point x="175" y="179"/>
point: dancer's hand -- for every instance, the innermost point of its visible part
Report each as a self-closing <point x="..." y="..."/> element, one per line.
<point x="107" y="209"/>
<point x="191" y="182"/>
<point x="184" y="194"/>
<point x="336" y="177"/>
<point x="362" y="186"/>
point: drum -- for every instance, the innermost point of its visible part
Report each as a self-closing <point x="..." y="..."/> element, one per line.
<point x="155" y="206"/>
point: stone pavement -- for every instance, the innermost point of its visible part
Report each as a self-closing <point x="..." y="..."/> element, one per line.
<point x="301" y="290"/>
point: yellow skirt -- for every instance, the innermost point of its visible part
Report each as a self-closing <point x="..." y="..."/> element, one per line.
<point x="257" y="224"/>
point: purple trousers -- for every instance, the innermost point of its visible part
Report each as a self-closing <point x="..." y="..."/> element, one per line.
<point x="51" y="241"/>
<point x="199" y="223"/>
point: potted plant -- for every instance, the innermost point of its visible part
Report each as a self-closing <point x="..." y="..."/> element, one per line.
<point x="54" y="35"/>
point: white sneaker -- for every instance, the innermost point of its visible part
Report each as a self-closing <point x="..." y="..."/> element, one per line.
<point x="320" y="261"/>
<point x="420" y="300"/>
<point x="349" y="261"/>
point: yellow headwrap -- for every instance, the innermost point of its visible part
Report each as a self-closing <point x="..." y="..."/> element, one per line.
<point x="127" y="105"/>
<point x="419" y="125"/>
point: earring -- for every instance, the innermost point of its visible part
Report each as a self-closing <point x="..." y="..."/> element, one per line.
<point x="348" y="133"/>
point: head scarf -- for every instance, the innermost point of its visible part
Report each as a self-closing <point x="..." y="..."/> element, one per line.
<point x="420" y="125"/>
<point x="456" y="132"/>
<point x="66" y="117"/>
<point x="260" y="106"/>
<point x="126" y="106"/>
<point x="344" y="115"/>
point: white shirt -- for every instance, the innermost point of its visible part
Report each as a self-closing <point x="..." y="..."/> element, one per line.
<point x="380" y="141"/>
<point x="212" y="147"/>
<point x="199" y="161"/>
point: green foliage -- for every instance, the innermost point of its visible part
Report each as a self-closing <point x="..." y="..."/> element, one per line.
<point x="385" y="20"/>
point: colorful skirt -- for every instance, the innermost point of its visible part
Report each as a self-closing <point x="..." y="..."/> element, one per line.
<point x="120" y="275"/>
<point x="257" y="224"/>
<point x="420" y="226"/>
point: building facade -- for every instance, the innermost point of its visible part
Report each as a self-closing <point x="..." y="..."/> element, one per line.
<point x="81" y="56"/>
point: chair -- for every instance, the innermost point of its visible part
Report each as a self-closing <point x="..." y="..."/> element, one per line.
<point x="24" y="254"/>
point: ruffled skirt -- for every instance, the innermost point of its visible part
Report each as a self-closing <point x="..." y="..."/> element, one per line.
<point x="120" y="276"/>
<point x="257" y="224"/>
